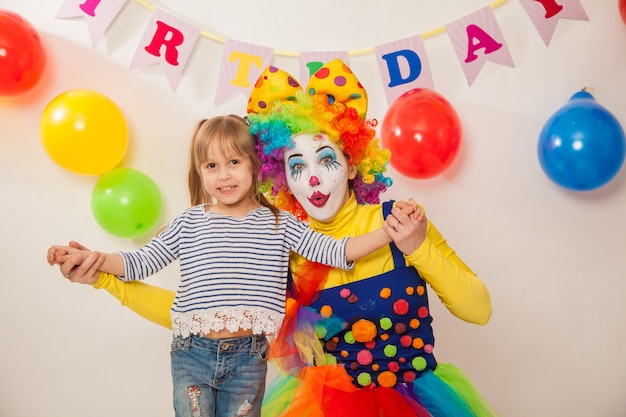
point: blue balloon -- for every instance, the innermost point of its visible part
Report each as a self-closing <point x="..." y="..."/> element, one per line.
<point x="581" y="147"/>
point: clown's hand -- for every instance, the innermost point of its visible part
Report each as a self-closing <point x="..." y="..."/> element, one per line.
<point x="406" y="225"/>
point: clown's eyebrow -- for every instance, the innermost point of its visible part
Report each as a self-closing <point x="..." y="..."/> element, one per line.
<point x="299" y="155"/>
<point x="323" y="148"/>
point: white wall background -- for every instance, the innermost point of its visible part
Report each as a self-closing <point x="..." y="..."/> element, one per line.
<point x="553" y="259"/>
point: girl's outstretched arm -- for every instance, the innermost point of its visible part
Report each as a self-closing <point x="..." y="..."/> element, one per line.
<point x="150" y="302"/>
<point x="359" y="246"/>
<point x="113" y="262"/>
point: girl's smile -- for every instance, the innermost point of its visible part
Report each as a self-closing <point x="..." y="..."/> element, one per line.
<point x="228" y="177"/>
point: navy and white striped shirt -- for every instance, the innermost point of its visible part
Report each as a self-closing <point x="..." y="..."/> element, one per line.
<point x="233" y="271"/>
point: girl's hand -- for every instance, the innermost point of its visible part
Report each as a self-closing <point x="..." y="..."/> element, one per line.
<point x="412" y="208"/>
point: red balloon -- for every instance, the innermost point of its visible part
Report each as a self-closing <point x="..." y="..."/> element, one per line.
<point x="622" y="10"/>
<point x="22" y="56"/>
<point x="423" y="133"/>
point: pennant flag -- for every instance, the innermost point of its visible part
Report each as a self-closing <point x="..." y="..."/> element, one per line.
<point x="98" y="14"/>
<point x="477" y="38"/>
<point x="169" y="41"/>
<point x="242" y="64"/>
<point x="311" y="61"/>
<point x="403" y="66"/>
<point x="546" y="13"/>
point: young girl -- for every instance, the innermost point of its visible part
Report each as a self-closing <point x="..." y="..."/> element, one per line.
<point x="233" y="246"/>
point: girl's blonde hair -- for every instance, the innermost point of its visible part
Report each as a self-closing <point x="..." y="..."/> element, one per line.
<point x="229" y="133"/>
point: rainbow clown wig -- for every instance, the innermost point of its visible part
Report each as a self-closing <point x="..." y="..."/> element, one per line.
<point x="334" y="103"/>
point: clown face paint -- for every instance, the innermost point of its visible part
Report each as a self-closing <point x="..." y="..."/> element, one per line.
<point x="317" y="175"/>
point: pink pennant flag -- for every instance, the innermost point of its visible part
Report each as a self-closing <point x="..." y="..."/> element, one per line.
<point x="168" y="41"/>
<point x="242" y="64"/>
<point x="311" y="61"/>
<point x="403" y="66"/>
<point x="477" y="38"/>
<point x="98" y="14"/>
<point x="546" y="13"/>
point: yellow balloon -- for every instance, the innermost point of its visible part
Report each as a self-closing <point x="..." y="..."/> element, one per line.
<point x="84" y="132"/>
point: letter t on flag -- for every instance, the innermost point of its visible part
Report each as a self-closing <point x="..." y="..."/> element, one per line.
<point x="242" y="64"/>
<point x="169" y="41"/>
<point x="477" y="38"/>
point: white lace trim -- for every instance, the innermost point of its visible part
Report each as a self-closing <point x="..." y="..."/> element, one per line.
<point x="260" y="320"/>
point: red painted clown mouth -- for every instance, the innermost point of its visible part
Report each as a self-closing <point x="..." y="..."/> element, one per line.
<point x="318" y="199"/>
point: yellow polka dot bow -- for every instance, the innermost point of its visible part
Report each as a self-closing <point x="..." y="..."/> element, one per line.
<point x="335" y="80"/>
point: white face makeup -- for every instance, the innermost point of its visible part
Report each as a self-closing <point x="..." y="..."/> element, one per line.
<point x="317" y="175"/>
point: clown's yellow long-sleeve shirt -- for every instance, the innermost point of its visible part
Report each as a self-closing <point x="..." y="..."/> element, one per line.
<point x="456" y="285"/>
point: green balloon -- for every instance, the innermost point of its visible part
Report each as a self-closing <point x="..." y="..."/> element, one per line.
<point x="126" y="203"/>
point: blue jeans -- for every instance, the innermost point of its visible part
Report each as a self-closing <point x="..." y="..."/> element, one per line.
<point x="219" y="377"/>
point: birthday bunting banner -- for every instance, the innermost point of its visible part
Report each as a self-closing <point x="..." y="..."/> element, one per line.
<point x="403" y="64"/>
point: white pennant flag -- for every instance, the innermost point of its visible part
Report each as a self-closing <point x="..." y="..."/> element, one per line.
<point x="477" y="38"/>
<point x="403" y="66"/>
<point x="168" y="41"/>
<point x="242" y="64"/>
<point x="546" y="14"/>
<point x="98" y="14"/>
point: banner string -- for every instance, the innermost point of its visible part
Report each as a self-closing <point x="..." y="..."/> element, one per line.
<point x="221" y="39"/>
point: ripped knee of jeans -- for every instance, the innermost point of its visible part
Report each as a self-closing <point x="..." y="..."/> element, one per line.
<point x="245" y="408"/>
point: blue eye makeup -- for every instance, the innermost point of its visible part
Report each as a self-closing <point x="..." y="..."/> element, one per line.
<point x="296" y="164"/>
<point x="328" y="158"/>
